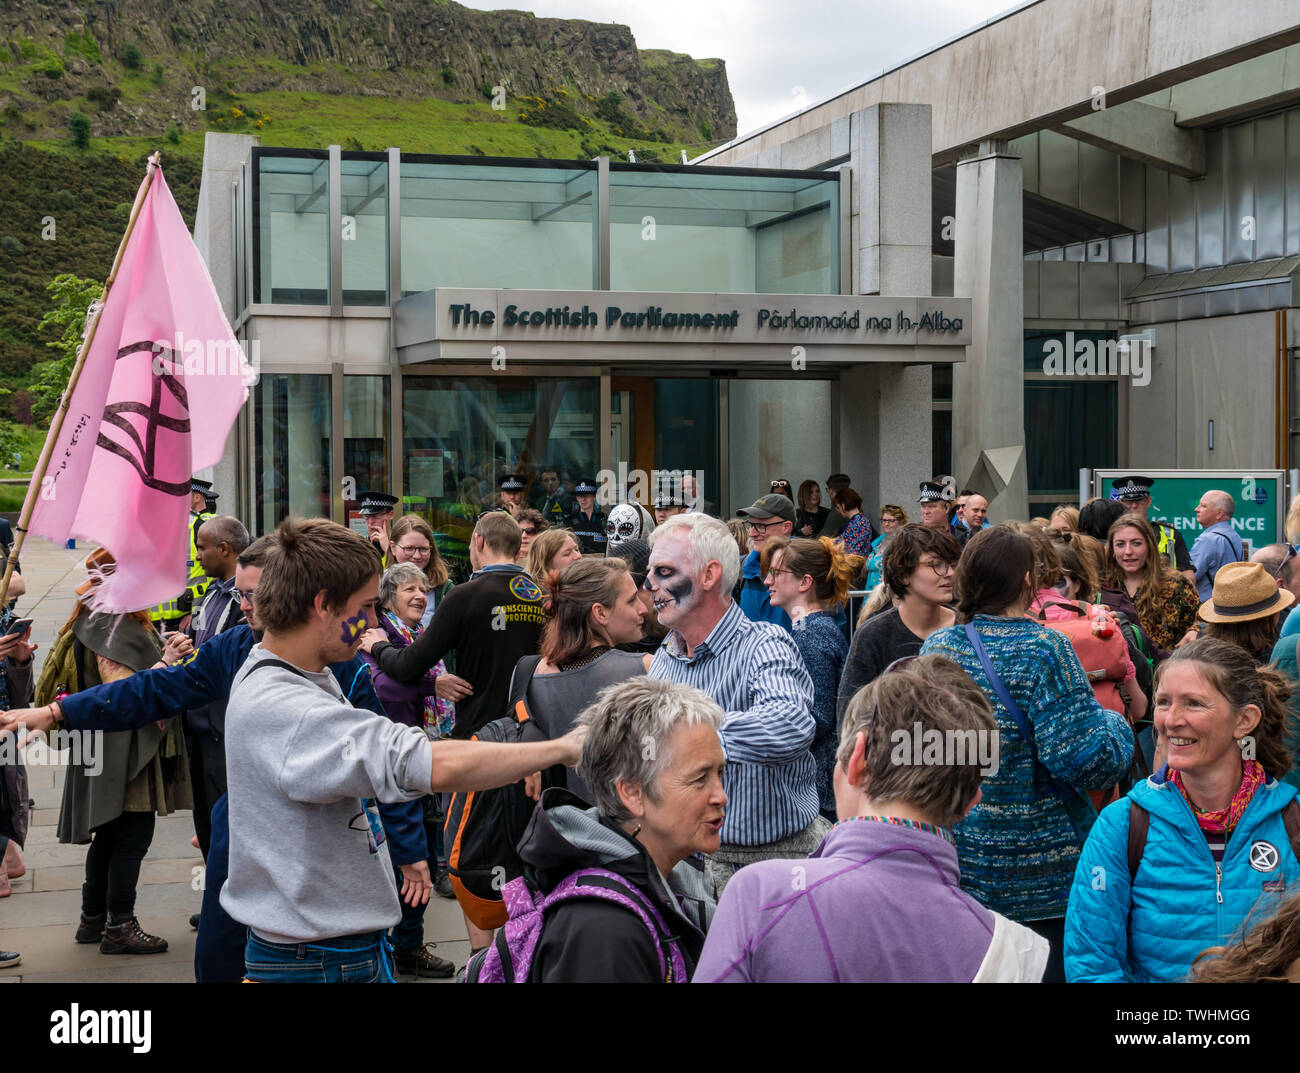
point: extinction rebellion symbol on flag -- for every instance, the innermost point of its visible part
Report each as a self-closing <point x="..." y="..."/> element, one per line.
<point x="145" y="454"/>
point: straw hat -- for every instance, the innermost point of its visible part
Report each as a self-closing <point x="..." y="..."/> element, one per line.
<point x="1244" y="591"/>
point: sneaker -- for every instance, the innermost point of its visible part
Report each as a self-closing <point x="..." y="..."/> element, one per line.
<point x="91" y="929"/>
<point x="9" y="958"/>
<point x="442" y="886"/>
<point x="194" y="921"/>
<point x="13" y="862"/>
<point x="128" y="938"/>
<point x="422" y="962"/>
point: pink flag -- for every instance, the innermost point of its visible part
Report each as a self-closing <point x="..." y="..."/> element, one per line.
<point x="162" y="384"/>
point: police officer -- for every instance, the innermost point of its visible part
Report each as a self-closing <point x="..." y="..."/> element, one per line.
<point x="1135" y="494"/>
<point x="668" y="503"/>
<point x="174" y="614"/>
<point x="377" y="511"/>
<point x="512" y="488"/>
<point x="586" y="519"/>
<point x="934" y="500"/>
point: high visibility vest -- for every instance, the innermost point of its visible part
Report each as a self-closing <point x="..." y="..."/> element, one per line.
<point x="195" y="583"/>
<point x="1167" y="534"/>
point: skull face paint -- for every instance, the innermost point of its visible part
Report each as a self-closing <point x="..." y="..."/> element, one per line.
<point x="627" y="521"/>
<point x="674" y="590"/>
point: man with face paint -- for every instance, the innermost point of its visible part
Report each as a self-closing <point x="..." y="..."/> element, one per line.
<point x="753" y="670"/>
<point x="309" y="868"/>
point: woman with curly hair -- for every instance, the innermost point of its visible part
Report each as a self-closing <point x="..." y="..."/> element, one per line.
<point x="1269" y="952"/>
<point x="1166" y="602"/>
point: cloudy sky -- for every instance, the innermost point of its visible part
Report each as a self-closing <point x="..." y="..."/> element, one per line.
<point x="782" y="55"/>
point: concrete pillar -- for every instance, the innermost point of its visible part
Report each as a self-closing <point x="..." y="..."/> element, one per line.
<point x="988" y="402"/>
<point x="885" y="410"/>
<point x="214" y="236"/>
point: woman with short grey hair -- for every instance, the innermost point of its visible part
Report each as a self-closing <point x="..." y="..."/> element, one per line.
<point x="653" y="761"/>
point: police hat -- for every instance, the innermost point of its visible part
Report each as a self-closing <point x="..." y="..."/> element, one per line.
<point x="1131" y="487"/>
<point x="202" y="487"/>
<point x="512" y="482"/>
<point x="374" y="503"/>
<point x="585" y="487"/>
<point x="931" y="492"/>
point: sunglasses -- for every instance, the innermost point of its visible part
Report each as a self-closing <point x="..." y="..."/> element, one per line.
<point x="528" y="532"/>
<point x="1291" y="553"/>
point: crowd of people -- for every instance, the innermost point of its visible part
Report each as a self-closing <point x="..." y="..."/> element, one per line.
<point x="811" y="743"/>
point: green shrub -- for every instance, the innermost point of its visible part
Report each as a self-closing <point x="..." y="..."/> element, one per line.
<point x="104" y="96"/>
<point x="172" y="132"/>
<point x="706" y="130"/>
<point x="131" y="57"/>
<point x="12" y="246"/>
<point x="12" y="112"/>
<point x="80" y="127"/>
<point x="157" y="76"/>
<point x="64" y="200"/>
<point x="448" y="76"/>
<point x="555" y="115"/>
<point x="82" y="44"/>
<point x="49" y="65"/>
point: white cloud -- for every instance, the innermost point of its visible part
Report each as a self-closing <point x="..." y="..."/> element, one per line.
<point x="776" y="48"/>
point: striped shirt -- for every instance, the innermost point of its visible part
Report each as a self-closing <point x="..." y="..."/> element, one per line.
<point x="755" y="674"/>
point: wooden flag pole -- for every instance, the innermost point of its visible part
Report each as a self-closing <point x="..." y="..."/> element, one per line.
<point x="56" y="423"/>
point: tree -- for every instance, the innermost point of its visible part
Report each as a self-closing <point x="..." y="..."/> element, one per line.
<point x="72" y="297"/>
<point x="131" y="57"/>
<point x="80" y="127"/>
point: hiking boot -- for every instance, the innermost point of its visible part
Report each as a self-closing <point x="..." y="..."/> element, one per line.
<point x="91" y="929"/>
<point x="442" y="886"/>
<point x="421" y="961"/>
<point x="13" y="863"/>
<point x="9" y="958"/>
<point x="129" y="939"/>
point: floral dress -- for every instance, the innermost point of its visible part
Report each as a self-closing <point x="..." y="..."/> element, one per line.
<point x="856" y="537"/>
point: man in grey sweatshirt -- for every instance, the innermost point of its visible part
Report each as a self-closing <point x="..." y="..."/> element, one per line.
<point x="309" y="870"/>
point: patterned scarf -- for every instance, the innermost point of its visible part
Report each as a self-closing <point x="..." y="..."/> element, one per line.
<point x="439" y="714"/>
<point x="1223" y="820"/>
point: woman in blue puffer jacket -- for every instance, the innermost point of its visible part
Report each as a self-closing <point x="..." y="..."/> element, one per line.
<point x="1220" y="826"/>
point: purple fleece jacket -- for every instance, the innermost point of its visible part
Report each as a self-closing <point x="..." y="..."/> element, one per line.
<point x="876" y="903"/>
<point x="403" y="703"/>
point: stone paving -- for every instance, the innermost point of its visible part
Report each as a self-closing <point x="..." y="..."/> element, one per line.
<point x="39" y="919"/>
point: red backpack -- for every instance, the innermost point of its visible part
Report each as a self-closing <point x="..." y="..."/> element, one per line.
<point x="1104" y="660"/>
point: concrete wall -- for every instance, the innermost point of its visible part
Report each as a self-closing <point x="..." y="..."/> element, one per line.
<point x="779" y="428"/>
<point x="1038" y="65"/>
<point x="1219" y="368"/>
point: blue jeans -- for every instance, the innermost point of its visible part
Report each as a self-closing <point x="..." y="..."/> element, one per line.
<point x="408" y="933"/>
<point x="349" y="959"/>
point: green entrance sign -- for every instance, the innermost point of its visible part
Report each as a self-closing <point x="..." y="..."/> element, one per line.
<point x="1260" y="498"/>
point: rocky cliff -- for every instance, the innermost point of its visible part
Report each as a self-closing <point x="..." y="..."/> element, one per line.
<point x="410" y="49"/>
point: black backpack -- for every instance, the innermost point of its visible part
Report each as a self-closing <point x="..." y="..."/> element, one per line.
<point x="483" y="827"/>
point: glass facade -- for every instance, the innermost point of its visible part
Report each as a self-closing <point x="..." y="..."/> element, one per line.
<point x="477" y="225"/>
<point x="462" y="434"/>
<point x="366" y="409"/>
<point x="292" y="421"/>
<point x="364" y="230"/>
<point x="697" y="229"/>
<point x="291" y="263"/>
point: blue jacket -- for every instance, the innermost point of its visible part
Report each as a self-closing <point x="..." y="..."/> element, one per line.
<point x="755" y="598"/>
<point x="204" y="678"/>
<point x="1177" y="906"/>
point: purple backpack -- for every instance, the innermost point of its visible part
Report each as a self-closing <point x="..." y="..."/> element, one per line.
<point x="510" y="957"/>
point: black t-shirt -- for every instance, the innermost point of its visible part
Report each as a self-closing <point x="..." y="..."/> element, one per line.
<point x="876" y="644"/>
<point x="491" y="621"/>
